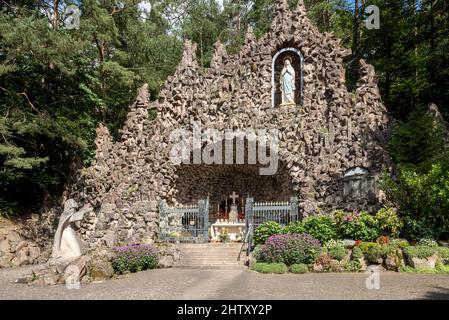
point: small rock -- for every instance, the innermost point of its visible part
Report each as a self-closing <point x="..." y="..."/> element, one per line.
<point x="349" y="244"/>
<point x="428" y="263"/>
<point x="22" y="244"/>
<point x="166" y="262"/>
<point x="5" y="246"/>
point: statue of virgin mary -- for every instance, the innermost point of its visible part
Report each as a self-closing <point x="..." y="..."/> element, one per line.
<point x="288" y="83"/>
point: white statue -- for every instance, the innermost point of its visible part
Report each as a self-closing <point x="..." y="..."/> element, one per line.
<point x="66" y="245"/>
<point x="287" y="81"/>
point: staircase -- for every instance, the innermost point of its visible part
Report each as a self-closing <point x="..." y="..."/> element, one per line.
<point x="210" y="256"/>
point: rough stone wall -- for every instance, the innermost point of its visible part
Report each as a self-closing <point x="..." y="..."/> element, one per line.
<point x="329" y="133"/>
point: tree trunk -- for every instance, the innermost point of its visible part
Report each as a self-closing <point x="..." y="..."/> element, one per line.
<point x="55" y="14"/>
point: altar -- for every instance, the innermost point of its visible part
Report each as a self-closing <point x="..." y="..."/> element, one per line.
<point x="235" y="231"/>
<point x="230" y="226"/>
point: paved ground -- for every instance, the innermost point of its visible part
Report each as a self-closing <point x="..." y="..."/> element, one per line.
<point x="235" y="284"/>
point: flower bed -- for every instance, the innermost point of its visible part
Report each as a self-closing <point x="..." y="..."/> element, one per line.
<point x="371" y="245"/>
<point x="135" y="258"/>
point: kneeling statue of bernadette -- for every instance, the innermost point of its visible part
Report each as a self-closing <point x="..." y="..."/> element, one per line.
<point x="66" y="245"/>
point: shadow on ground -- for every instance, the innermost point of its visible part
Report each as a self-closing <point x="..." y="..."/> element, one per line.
<point x="439" y="293"/>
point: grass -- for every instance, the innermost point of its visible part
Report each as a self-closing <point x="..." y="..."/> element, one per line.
<point x="299" y="268"/>
<point x="261" y="267"/>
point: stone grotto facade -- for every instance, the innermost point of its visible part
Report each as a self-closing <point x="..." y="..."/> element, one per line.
<point x="330" y="143"/>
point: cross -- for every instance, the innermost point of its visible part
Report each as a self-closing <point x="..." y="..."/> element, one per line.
<point x="233" y="196"/>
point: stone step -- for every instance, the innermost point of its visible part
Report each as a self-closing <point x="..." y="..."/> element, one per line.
<point x="226" y="267"/>
<point x="210" y="255"/>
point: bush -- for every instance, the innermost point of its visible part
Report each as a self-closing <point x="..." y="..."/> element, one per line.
<point x="443" y="252"/>
<point x="419" y="252"/>
<point x="290" y="249"/>
<point x="357" y="226"/>
<point x="321" y="227"/>
<point x="134" y="258"/>
<point x="278" y="268"/>
<point x="299" y="268"/>
<point x="256" y="252"/>
<point x="427" y="243"/>
<point x="324" y="263"/>
<point x="388" y="222"/>
<point x="400" y="243"/>
<point x="376" y="253"/>
<point x="357" y="253"/>
<point x="353" y="266"/>
<point x="294" y="227"/>
<point x="265" y="230"/>
<point x="365" y="246"/>
<point x="336" y="249"/>
<point x="423" y="201"/>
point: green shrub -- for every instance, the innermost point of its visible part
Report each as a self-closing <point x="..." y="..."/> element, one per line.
<point x="443" y="252"/>
<point x="441" y="268"/>
<point x="378" y="252"/>
<point x="290" y="249"/>
<point x="134" y="258"/>
<point x="357" y="253"/>
<point x="299" y="268"/>
<point x="422" y="199"/>
<point x="336" y="249"/>
<point x="353" y="266"/>
<point x="400" y="243"/>
<point x="256" y="252"/>
<point x="294" y="227"/>
<point x="427" y="243"/>
<point x="365" y="246"/>
<point x="419" y="252"/>
<point x="356" y="226"/>
<point x="265" y="230"/>
<point x="321" y="227"/>
<point x="262" y="267"/>
<point x="388" y="222"/>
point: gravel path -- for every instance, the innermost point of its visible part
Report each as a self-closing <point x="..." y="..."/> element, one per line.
<point x="234" y="284"/>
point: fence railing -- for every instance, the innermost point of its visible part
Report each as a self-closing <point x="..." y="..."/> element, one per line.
<point x="256" y="213"/>
<point x="186" y="223"/>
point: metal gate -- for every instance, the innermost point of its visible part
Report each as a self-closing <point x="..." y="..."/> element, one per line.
<point x="283" y="213"/>
<point x="185" y="223"/>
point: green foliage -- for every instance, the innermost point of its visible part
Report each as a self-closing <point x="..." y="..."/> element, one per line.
<point x="388" y="222"/>
<point x="377" y="252"/>
<point x="353" y="266"/>
<point x="265" y="230"/>
<point x="366" y="246"/>
<point x="443" y="252"/>
<point x="400" y="243"/>
<point x="58" y="84"/>
<point x="423" y="201"/>
<point x="427" y="243"/>
<point x="278" y="268"/>
<point x="357" y="226"/>
<point x="420" y="252"/>
<point x="134" y="258"/>
<point x="290" y="249"/>
<point x="357" y="253"/>
<point x="416" y="142"/>
<point x="294" y="227"/>
<point x="336" y="249"/>
<point x="321" y="227"/>
<point x="224" y="236"/>
<point x="299" y="268"/>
